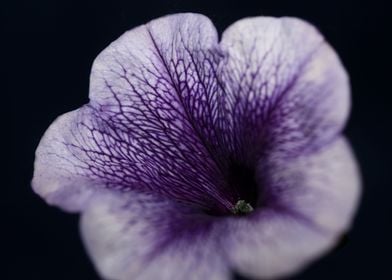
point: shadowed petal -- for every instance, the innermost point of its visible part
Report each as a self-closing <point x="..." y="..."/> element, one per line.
<point x="311" y="204"/>
<point x="144" y="237"/>
<point x="285" y="85"/>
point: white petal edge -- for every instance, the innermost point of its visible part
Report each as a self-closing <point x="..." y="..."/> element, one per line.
<point x="121" y="235"/>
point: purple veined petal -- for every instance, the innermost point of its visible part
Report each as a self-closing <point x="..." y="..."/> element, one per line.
<point x="157" y="85"/>
<point x="285" y="86"/>
<point x="137" y="236"/>
<point x="311" y="204"/>
<point x="154" y="102"/>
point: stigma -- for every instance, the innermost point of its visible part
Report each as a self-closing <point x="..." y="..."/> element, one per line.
<point x="242" y="208"/>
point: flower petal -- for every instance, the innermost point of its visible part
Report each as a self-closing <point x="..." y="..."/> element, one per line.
<point x="156" y="84"/>
<point x="311" y="203"/>
<point x="285" y="86"/>
<point x="323" y="188"/>
<point x="153" y="104"/>
<point x="144" y="237"/>
<point x="59" y="175"/>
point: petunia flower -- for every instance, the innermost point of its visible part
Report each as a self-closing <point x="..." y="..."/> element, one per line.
<point x="197" y="157"/>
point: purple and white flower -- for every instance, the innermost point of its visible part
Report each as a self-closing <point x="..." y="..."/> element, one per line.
<point x="198" y="156"/>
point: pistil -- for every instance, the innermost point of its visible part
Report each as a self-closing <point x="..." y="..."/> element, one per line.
<point x="242" y="208"/>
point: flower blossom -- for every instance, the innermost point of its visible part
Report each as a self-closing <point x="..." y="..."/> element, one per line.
<point x="199" y="156"/>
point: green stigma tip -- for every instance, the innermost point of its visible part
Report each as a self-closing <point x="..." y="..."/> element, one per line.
<point x="242" y="207"/>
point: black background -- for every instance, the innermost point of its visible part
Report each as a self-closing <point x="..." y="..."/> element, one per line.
<point x="49" y="48"/>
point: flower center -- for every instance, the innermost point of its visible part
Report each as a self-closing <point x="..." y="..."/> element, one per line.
<point x="243" y="187"/>
<point x="242" y="208"/>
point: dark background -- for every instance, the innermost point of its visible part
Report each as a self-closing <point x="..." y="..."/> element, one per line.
<point x="49" y="48"/>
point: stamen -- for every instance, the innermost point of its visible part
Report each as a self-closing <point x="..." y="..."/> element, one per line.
<point x="242" y="208"/>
